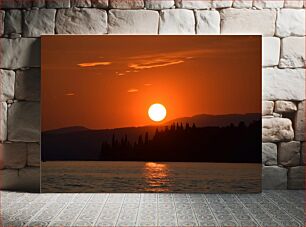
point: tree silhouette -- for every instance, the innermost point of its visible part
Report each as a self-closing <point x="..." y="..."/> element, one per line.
<point x="147" y="138"/>
<point x="140" y="141"/>
<point x="232" y="143"/>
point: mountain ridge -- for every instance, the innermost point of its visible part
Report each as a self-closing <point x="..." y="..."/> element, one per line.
<point x="80" y="143"/>
<point x="200" y="120"/>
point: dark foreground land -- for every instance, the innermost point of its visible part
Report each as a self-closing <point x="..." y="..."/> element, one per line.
<point x="178" y="142"/>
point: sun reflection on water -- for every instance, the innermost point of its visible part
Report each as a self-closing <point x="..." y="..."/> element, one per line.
<point x="157" y="177"/>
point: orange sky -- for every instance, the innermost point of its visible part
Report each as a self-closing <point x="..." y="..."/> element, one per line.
<point x="110" y="81"/>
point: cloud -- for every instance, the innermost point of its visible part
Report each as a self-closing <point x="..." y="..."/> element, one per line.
<point x="137" y="63"/>
<point x="92" y="64"/>
<point x="148" y="85"/>
<point x="69" y="94"/>
<point x="164" y="59"/>
<point x="155" y="64"/>
<point x="132" y="90"/>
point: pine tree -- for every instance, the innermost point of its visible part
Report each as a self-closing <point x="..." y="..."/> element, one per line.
<point x="125" y="139"/>
<point x="140" y="140"/>
<point x="147" y="138"/>
<point x="113" y="141"/>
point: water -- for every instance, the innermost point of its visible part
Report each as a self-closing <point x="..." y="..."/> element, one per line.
<point x="150" y="177"/>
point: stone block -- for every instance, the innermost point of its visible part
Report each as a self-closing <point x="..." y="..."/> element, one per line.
<point x="3" y="121"/>
<point x="99" y="3"/>
<point x="24" y="122"/>
<point x="267" y="107"/>
<point x="303" y="161"/>
<point x="56" y="4"/>
<point x="276" y="115"/>
<point x="293" y="4"/>
<point x="285" y="107"/>
<point x="25" y="180"/>
<point x="19" y="53"/>
<point x="39" y="3"/>
<point x="293" y="52"/>
<point x="80" y="3"/>
<point x="81" y="21"/>
<point x="296" y="177"/>
<point x="243" y="4"/>
<point x="13" y="155"/>
<point x="290" y="22"/>
<point x="248" y="21"/>
<point x="269" y="154"/>
<point x="270" y="51"/>
<point x="222" y="3"/>
<point x="192" y="4"/>
<point x="262" y="4"/>
<point x="9" y="179"/>
<point x="277" y="129"/>
<point x="27" y="86"/>
<point x="177" y="21"/>
<point x="299" y="122"/>
<point x="159" y="4"/>
<point x="289" y="153"/>
<point x="2" y="15"/>
<point x="33" y="154"/>
<point x="133" y="22"/>
<point x="13" y="21"/>
<point x="39" y="22"/>
<point x="7" y="81"/>
<point x="283" y="84"/>
<point x="126" y="4"/>
<point x="274" y="177"/>
<point x="208" y="22"/>
<point x="15" y="4"/>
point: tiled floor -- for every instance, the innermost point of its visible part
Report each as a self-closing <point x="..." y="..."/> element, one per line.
<point x="271" y="208"/>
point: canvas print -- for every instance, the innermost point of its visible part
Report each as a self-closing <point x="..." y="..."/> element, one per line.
<point x="151" y="114"/>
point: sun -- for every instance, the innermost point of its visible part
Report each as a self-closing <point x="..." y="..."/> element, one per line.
<point x="157" y="112"/>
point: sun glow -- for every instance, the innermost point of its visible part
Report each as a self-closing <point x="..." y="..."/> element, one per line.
<point x="157" y="112"/>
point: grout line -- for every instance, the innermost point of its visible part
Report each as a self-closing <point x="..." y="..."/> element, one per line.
<point x="63" y="208"/>
<point x="55" y="19"/>
<point x="212" y="212"/>
<point x="81" y="210"/>
<point x="21" y="197"/>
<point x="41" y="209"/>
<point x="101" y="209"/>
<point x="176" y="219"/>
<point x="138" y="209"/>
<point x="287" y="201"/>
<point x="157" y="213"/>
<point x="229" y="210"/>
<point x="100" y="213"/>
<point x="263" y="209"/>
<point x="269" y="214"/>
<point x="280" y="207"/>
<point x="194" y="215"/>
<point x="119" y="212"/>
<point x="195" y="21"/>
<point x="156" y="210"/>
<point x="249" y="211"/>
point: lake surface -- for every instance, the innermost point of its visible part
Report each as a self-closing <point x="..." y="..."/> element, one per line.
<point x="138" y="177"/>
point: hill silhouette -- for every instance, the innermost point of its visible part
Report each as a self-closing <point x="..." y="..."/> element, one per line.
<point x="79" y="143"/>
<point x="205" y="120"/>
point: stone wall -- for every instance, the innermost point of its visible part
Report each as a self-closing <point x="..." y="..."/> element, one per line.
<point x="281" y="22"/>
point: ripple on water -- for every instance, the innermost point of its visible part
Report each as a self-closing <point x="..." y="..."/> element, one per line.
<point x="150" y="177"/>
